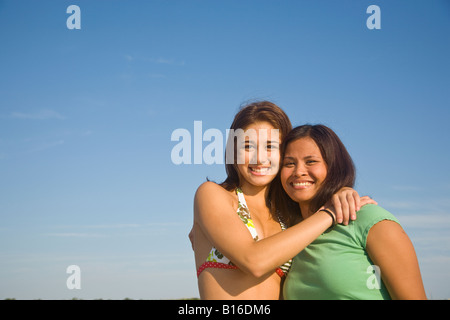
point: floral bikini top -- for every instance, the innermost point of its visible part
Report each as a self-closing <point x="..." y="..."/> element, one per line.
<point x="216" y="259"/>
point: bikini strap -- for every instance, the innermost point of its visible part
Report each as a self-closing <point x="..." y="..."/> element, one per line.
<point x="244" y="214"/>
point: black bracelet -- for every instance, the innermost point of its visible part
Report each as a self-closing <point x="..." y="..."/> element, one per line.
<point x="331" y="215"/>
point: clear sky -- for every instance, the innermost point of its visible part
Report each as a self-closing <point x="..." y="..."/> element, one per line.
<point x="86" y="117"/>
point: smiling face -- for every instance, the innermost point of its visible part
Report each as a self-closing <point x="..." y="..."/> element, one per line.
<point x="258" y="154"/>
<point x="303" y="171"/>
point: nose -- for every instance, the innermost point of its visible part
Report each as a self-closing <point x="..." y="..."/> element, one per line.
<point x="263" y="157"/>
<point x="299" y="171"/>
<point x="260" y="157"/>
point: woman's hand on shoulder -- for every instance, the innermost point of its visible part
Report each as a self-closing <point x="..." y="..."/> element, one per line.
<point x="346" y="202"/>
<point x="366" y="200"/>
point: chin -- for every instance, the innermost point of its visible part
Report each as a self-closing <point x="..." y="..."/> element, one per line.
<point x="261" y="181"/>
<point x="298" y="198"/>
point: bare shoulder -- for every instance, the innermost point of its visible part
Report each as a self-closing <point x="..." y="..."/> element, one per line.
<point x="209" y="187"/>
<point x="386" y="229"/>
<point x="212" y="197"/>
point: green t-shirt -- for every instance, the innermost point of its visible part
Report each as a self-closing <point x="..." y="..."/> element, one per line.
<point x="336" y="265"/>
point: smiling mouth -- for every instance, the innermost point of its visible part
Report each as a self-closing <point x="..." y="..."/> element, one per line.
<point x="301" y="185"/>
<point x="260" y="171"/>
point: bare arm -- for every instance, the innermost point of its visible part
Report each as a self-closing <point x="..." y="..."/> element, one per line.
<point x="223" y="228"/>
<point x="346" y="203"/>
<point x="391" y="250"/>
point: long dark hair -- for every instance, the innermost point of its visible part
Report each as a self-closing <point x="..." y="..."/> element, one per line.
<point x="340" y="170"/>
<point x="247" y="115"/>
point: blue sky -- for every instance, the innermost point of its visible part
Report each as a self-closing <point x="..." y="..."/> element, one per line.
<point x="86" y="118"/>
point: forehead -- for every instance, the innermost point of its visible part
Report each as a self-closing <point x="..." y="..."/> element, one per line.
<point x="261" y="130"/>
<point x="260" y="125"/>
<point x="302" y="147"/>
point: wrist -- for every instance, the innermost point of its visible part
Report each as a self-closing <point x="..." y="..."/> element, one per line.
<point x="331" y="214"/>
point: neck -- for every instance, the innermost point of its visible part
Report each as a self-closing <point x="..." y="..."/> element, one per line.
<point x="304" y="208"/>
<point x="255" y="192"/>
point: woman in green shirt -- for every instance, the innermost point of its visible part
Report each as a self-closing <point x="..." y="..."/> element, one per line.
<point x="371" y="258"/>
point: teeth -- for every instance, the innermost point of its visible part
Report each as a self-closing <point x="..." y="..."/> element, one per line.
<point x="298" y="184"/>
<point x="259" y="170"/>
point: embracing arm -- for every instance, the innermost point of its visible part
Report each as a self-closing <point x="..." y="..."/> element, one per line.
<point x="346" y="202"/>
<point x="391" y="250"/>
<point x="223" y="228"/>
